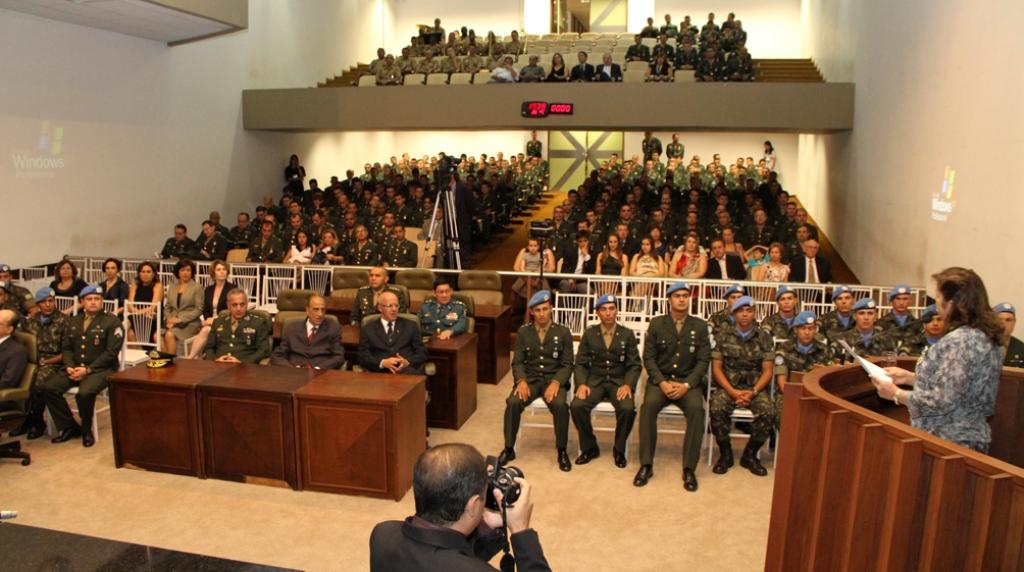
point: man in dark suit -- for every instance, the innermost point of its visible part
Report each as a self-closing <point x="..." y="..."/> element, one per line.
<point x="582" y="71"/>
<point x="608" y="71"/>
<point x="313" y="343"/>
<point x="452" y="530"/>
<point x="577" y="259"/>
<point x="461" y="196"/>
<point x="13" y="357"/>
<point x="811" y="268"/>
<point x="724" y="266"/>
<point x="391" y="344"/>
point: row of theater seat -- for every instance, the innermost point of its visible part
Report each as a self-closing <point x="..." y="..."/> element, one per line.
<point x="635" y="74"/>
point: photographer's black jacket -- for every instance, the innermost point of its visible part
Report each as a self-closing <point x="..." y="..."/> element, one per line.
<point x="416" y="545"/>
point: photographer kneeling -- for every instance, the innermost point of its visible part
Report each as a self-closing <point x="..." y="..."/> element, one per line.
<point x="453" y="529"/>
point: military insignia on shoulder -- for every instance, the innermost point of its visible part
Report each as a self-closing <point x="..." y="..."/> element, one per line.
<point x="779" y="360"/>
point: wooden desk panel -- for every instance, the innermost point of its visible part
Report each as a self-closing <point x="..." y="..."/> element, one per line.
<point x="155" y="418"/>
<point x="360" y="433"/>
<point x="248" y="424"/>
<point x="453" y="389"/>
<point x="494" y="356"/>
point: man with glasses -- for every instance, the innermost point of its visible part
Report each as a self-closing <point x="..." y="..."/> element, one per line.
<point x="391" y="344"/>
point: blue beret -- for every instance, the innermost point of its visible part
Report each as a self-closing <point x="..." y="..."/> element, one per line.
<point x="734" y="289"/>
<point x="840" y="290"/>
<point x="899" y="290"/>
<point x="4" y="267"/>
<point x="783" y="290"/>
<point x="864" y="304"/>
<point x="929" y="313"/>
<point x="539" y="298"/>
<point x="677" y="286"/>
<point x="44" y="293"/>
<point x="606" y="299"/>
<point x="805" y="319"/>
<point x="89" y="290"/>
<point x="1005" y="307"/>
<point x="741" y="302"/>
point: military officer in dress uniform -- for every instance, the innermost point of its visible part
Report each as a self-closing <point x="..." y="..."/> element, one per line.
<point x="607" y="368"/>
<point x="675" y="149"/>
<point x="1014" y="347"/>
<point x="780" y="323"/>
<point x="650" y="145"/>
<point x="841" y="319"/>
<point x="638" y="52"/>
<point x="179" y="245"/>
<point x="243" y="233"/>
<point x="48" y="326"/>
<point x="803" y="352"/>
<point x="92" y="347"/>
<point x="443" y="316"/>
<point x="533" y="146"/>
<point x="401" y="253"/>
<point x="741" y="364"/>
<point x="366" y="296"/>
<point x="900" y="324"/>
<point x="16" y="292"/>
<point x="722" y="319"/>
<point x="541" y="367"/>
<point x="677" y="351"/>
<point x="239" y="337"/>
<point x="364" y="250"/>
<point x="211" y="245"/>
<point x="267" y="246"/>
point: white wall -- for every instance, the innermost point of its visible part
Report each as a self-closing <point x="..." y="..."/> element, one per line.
<point x="149" y="129"/>
<point x="730" y="146"/>
<point x="483" y="17"/>
<point x="773" y="26"/>
<point x="928" y="97"/>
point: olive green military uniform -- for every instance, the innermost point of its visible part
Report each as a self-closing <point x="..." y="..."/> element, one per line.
<point x="741" y="362"/>
<point x="665" y="49"/>
<point x="436" y="317"/>
<point x="389" y="74"/>
<point x="534" y="148"/>
<point x="678" y="355"/>
<point x="247" y="340"/>
<point x="366" y="302"/>
<point x="604" y="364"/>
<point x="1014" y="354"/>
<point x="243" y="236"/>
<point x="538" y="363"/>
<point x="174" y="249"/>
<point x="366" y="255"/>
<point x="404" y="254"/>
<point x="650" y="146"/>
<point x="791" y="357"/>
<point x="214" y="247"/>
<point x="638" y="51"/>
<point x="270" y="251"/>
<point x="675" y="150"/>
<point x="94" y="343"/>
<point x="831" y="325"/>
<point x="779" y="327"/>
<point x="755" y="236"/>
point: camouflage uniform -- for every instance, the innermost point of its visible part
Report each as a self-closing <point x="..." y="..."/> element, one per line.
<point x="779" y="327"/>
<point x="248" y="343"/>
<point x="831" y="325"/>
<point x="878" y="344"/>
<point x="436" y="318"/>
<point x="48" y="340"/>
<point x="1014" y="354"/>
<point x="789" y="357"/>
<point x="719" y="321"/>
<point x="899" y="335"/>
<point x="741" y="363"/>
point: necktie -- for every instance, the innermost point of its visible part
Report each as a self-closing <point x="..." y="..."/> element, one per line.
<point x="812" y="271"/>
<point x="88" y="322"/>
<point x="312" y="332"/>
<point x="679" y="326"/>
<point x="391" y="331"/>
<point x="725" y="268"/>
<point x="234" y="326"/>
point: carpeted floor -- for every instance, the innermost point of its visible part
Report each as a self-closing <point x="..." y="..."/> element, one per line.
<point x="590" y="519"/>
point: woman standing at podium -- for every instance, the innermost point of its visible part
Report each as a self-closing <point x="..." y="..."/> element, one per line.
<point x="955" y="383"/>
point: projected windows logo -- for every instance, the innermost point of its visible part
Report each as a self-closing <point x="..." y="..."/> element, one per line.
<point x="942" y="202"/>
<point x="48" y="156"/>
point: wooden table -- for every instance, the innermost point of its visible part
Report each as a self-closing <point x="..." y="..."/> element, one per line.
<point x="248" y="423"/>
<point x="154" y="416"/>
<point x="453" y="389"/>
<point x="360" y="433"/>
<point x="493" y="325"/>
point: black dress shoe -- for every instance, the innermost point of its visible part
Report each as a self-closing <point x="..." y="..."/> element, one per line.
<point x="507" y="454"/>
<point x="28" y="428"/>
<point x="643" y="475"/>
<point x="689" y="480"/>
<point x="588" y="456"/>
<point x="35" y="433"/>
<point x="88" y="440"/>
<point x="620" y="459"/>
<point x="67" y="434"/>
<point x="563" y="461"/>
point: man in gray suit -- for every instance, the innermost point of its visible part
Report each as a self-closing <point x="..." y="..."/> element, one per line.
<point x="313" y="343"/>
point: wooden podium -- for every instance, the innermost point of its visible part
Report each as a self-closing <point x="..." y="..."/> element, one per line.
<point x="856" y="488"/>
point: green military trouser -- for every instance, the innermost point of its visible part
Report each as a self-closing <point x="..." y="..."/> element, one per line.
<point x="692" y="405"/>
<point x="53" y="389"/>
<point x="625" y="413"/>
<point x="559" y="410"/>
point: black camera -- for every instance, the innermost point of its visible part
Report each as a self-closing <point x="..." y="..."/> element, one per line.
<point x="503" y="479"/>
<point x="542" y="228"/>
<point x="447" y="164"/>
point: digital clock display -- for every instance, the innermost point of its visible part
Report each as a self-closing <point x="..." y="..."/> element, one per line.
<point x="543" y="109"/>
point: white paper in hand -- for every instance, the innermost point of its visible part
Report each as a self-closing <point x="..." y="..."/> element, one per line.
<point x="873" y="371"/>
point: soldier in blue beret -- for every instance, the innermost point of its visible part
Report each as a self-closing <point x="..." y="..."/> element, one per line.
<point x="741" y="365"/>
<point x="677" y="351"/>
<point x="1014" y="347"/>
<point x="541" y="367"/>
<point x="805" y="351"/>
<point x="840" y="319"/>
<point x="48" y="326"/>
<point x="607" y="369"/>
<point x="779" y="323"/>
<point x="442" y="315"/>
<point x="723" y="318"/>
<point x="14" y="291"/>
<point x="900" y="322"/>
<point x="866" y="336"/>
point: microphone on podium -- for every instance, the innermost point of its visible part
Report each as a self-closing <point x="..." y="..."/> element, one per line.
<point x="8" y="514"/>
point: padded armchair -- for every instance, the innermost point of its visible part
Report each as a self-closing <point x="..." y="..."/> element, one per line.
<point x="346" y="281"/>
<point x="292" y="303"/>
<point x="429" y="368"/>
<point x="484" y="286"/>
<point x="470" y="309"/>
<point x="19" y="395"/>
<point x="418" y="281"/>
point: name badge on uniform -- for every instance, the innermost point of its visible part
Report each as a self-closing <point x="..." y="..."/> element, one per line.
<point x="248" y="331"/>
